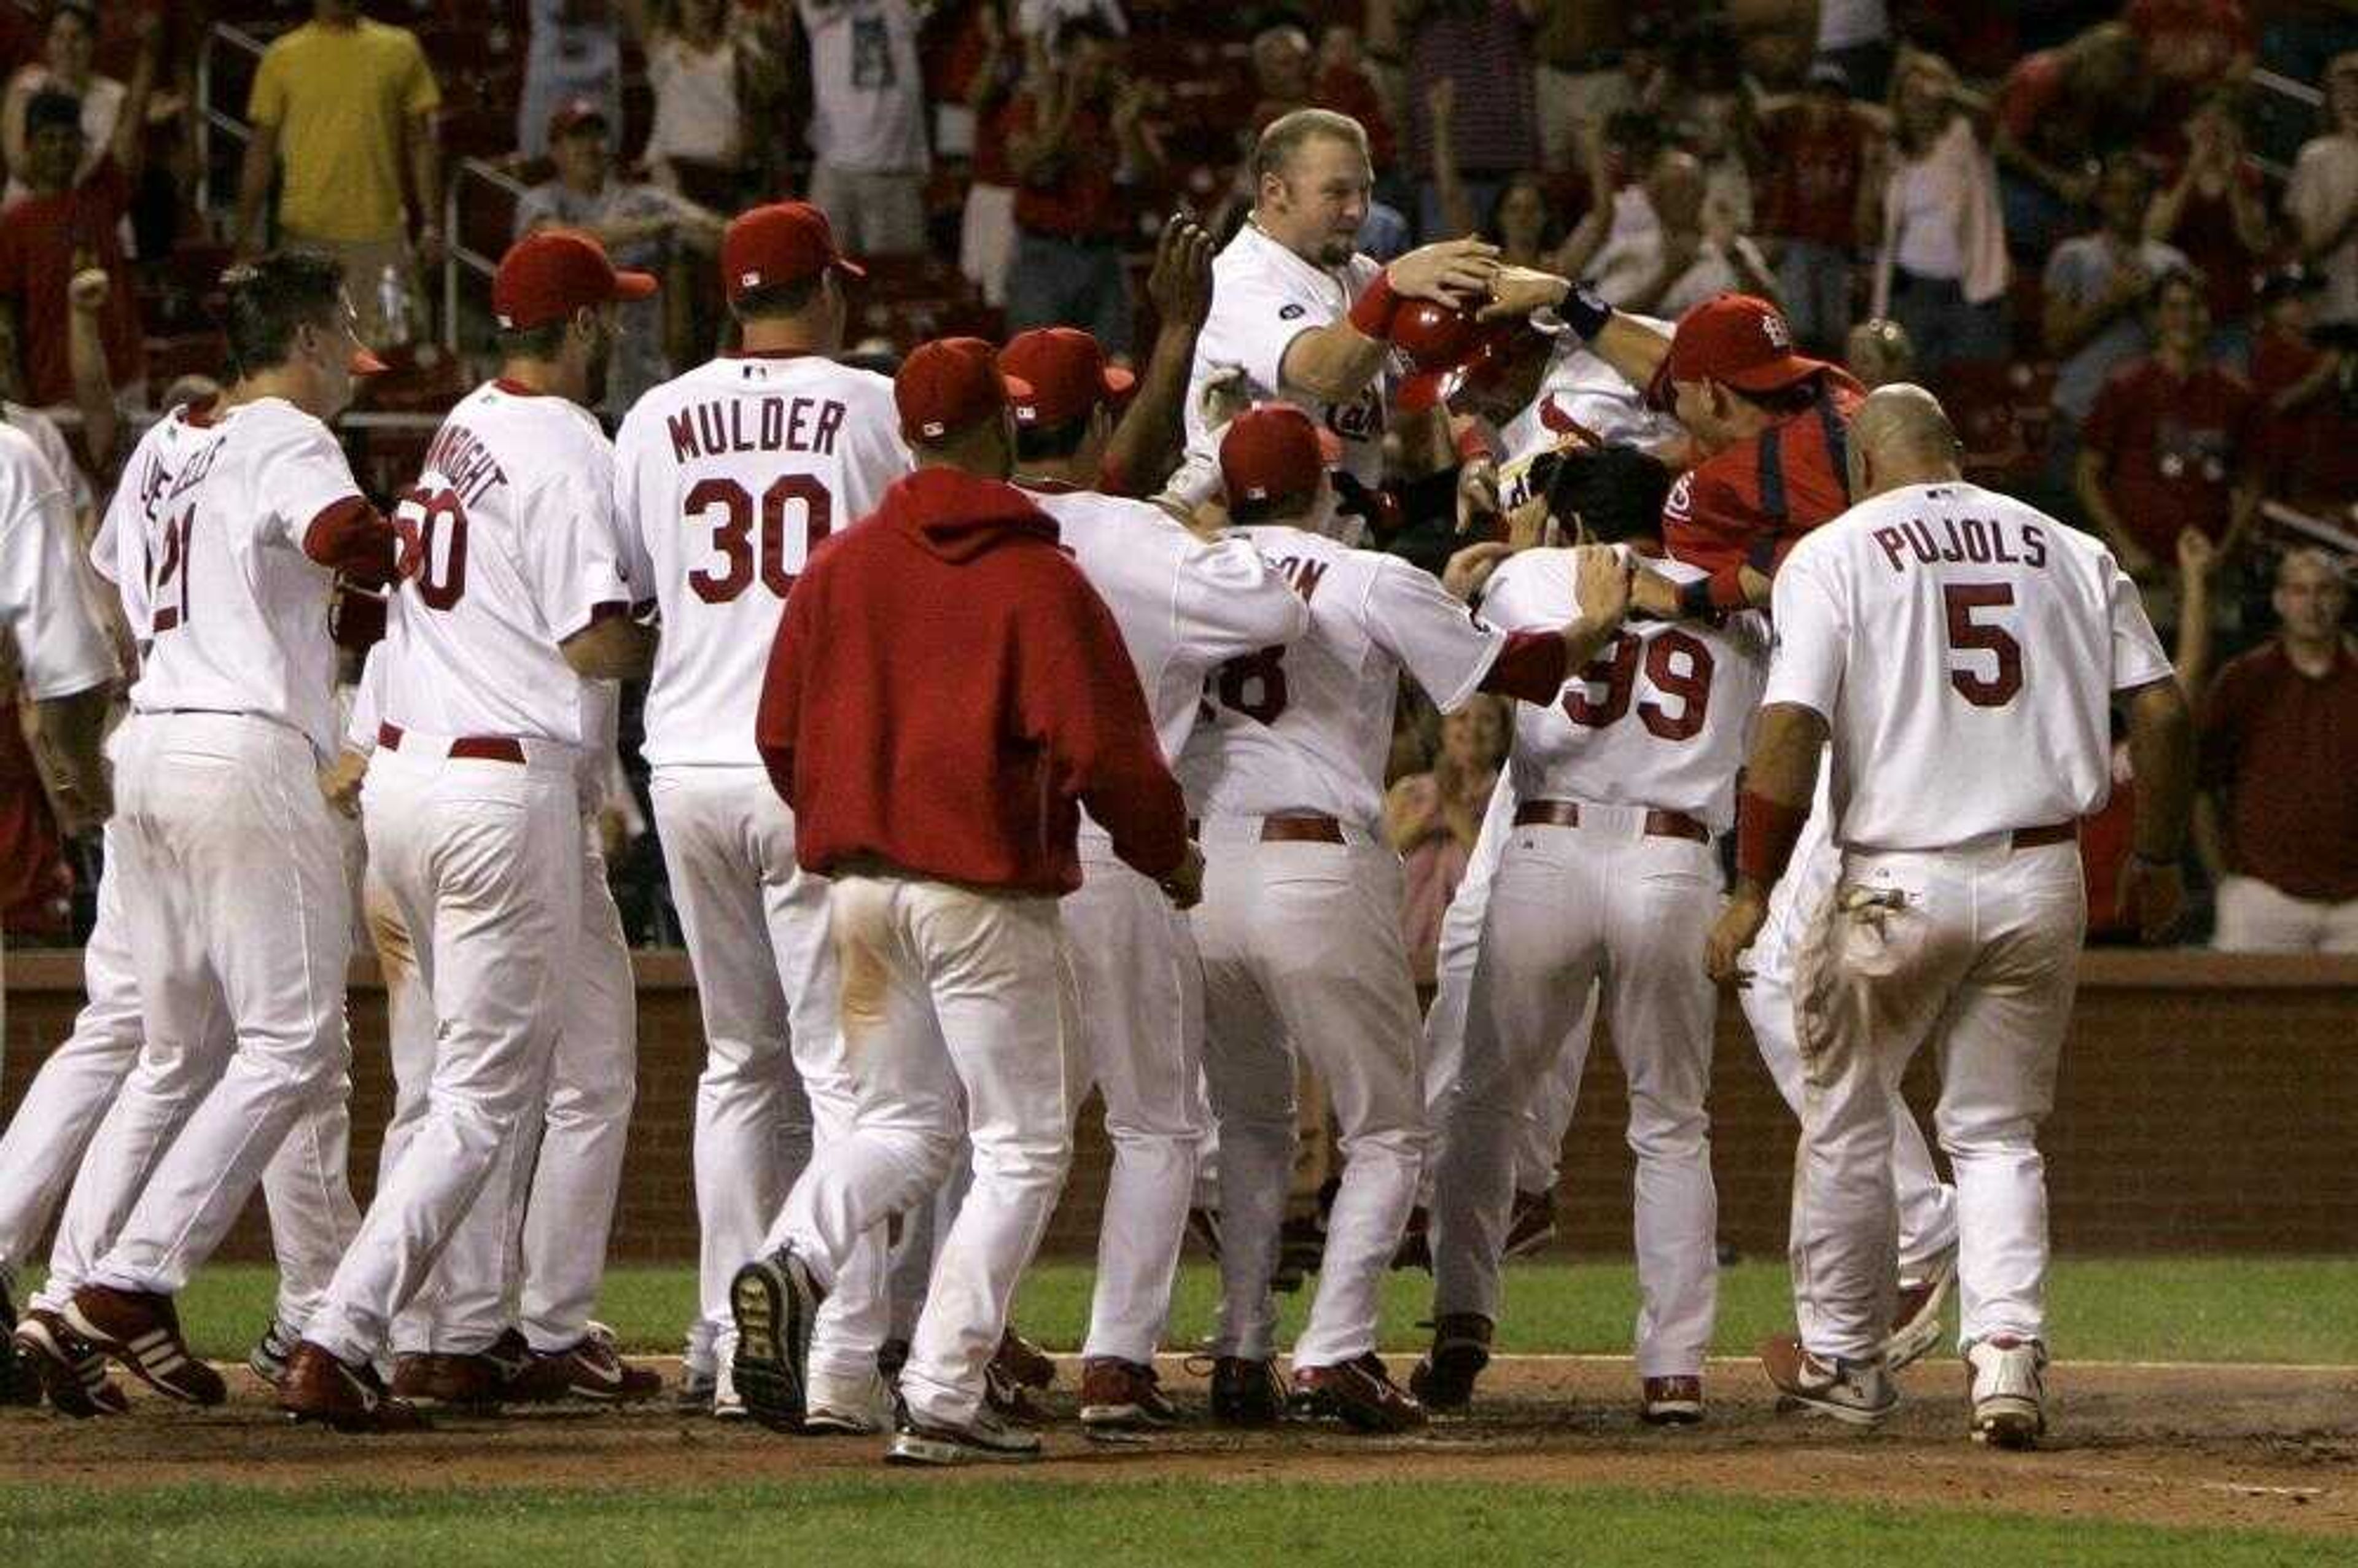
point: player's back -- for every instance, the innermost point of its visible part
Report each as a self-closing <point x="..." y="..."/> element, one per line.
<point x="510" y="546"/>
<point x="725" y="478"/>
<point x="237" y="612"/>
<point x="124" y="550"/>
<point x="1971" y="645"/>
<point x="1660" y="717"/>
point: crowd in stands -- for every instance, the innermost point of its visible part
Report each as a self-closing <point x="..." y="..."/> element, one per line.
<point x="2119" y="239"/>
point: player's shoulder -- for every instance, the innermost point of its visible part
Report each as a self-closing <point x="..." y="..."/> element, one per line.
<point x="273" y="422"/>
<point x="1519" y="572"/>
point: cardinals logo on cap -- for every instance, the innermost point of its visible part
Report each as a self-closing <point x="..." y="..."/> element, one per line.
<point x="1773" y="327"/>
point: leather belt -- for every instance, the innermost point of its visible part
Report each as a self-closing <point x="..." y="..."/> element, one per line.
<point x="1290" y="830"/>
<point x="476" y="748"/>
<point x="1566" y="814"/>
<point x="2053" y="833"/>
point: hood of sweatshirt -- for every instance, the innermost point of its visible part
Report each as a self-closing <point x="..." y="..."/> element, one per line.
<point x="959" y="517"/>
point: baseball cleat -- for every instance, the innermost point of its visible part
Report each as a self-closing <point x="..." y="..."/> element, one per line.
<point x="321" y="1389"/>
<point x="1443" y="1380"/>
<point x="2009" y="1391"/>
<point x="267" y="1359"/>
<point x="775" y="1299"/>
<point x="476" y="1383"/>
<point x="1858" y="1393"/>
<point x="591" y="1369"/>
<point x="1671" y="1401"/>
<point x="69" y="1369"/>
<point x="1359" y="1393"/>
<point x="1023" y="1363"/>
<point x="857" y="1411"/>
<point x="985" y="1440"/>
<point x="1120" y="1397"/>
<point x="1246" y="1392"/>
<point x="726" y="1403"/>
<point x="696" y="1387"/>
<point x="140" y="1329"/>
<point x="1917" y="1316"/>
<point x="1531" y="1225"/>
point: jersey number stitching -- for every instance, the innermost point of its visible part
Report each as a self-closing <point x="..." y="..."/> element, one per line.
<point x="172" y="571"/>
<point x="1965" y="633"/>
<point x="1253" y="684"/>
<point x="732" y="534"/>
<point x="424" y="520"/>
<point x="1617" y="671"/>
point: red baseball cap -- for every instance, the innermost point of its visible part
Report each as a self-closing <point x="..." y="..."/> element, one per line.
<point x="1274" y="449"/>
<point x="574" y="114"/>
<point x="551" y="273"/>
<point x="949" y="384"/>
<point x="784" y="243"/>
<point x="1067" y="372"/>
<point x="1739" y="339"/>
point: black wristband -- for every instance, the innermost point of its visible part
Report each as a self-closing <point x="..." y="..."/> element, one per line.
<point x="1694" y="599"/>
<point x="1584" y="311"/>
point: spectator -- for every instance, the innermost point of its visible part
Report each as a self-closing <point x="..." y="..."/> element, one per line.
<point x="2323" y="197"/>
<point x="1281" y="59"/>
<point x="2214" y="213"/>
<point x="2280" y="742"/>
<point x="1345" y="85"/>
<point x="1432" y="819"/>
<point x="1812" y="150"/>
<point x="2168" y="445"/>
<point x="2191" y="47"/>
<point x="1070" y="216"/>
<point x="1581" y="46"/>
<point x="642" y="227"/>
<point x="2308" y="400"/>
<point x="1520" y="221"/>
<point x="1878" y="352"/>
<point x="2096" y="289"/>
<point x="700" y="53"/>
<point x="1682" y="252"/>
<point x="341" y="107"/>
<point x="1855" y="38"/>
<point x="67" y="47"/>
<point x="1942" y="270"/>
<point x="1484" y="47"/>
<point x="987" y="237"/>
<point x="58" y="232"/>
<point x="868" y="123"/>
<point x="2061" y="113"/>
<point x="573" y="50"/>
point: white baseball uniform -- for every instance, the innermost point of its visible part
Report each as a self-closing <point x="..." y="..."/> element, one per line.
<point x="1963" y="649"/>
<point x="232" y="870"/>
<point x="1642" y="749"/>
<point x="1299" y="927"/>
<point x="1183" y="606"/>
<point x="1581" y="398"/>
<point x="472" y="805"/>
<point x="725" y="478"/>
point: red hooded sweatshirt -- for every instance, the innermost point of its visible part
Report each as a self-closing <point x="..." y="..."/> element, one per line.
<point x="946" y="691"/>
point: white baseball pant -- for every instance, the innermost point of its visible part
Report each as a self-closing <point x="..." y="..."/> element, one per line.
<point x="1140" y="993"/>
<point x="239" y="930"/>
<point x="1302" y="951"/>
<point x="775" y="1081"/>
<point x="1975" y="950"/>
<point x="1571" y="909"/>
<point x="2255" y="917"/>
<point x="957" y="1006"/>
<point x="909" y="1266"/>
<point x="481" y="857"/>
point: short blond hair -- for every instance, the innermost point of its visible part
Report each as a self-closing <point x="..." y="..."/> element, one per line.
<point x="1287" y="132"/>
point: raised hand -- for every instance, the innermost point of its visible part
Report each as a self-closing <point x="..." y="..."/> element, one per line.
<point x="1449" y="271"/>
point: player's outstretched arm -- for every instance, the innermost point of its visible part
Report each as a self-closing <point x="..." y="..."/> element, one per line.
<point x="1336" y="362"/>
<point x="2161" y="755"/>
<point x="1780" y="776"/>
<point x="1143" y="447"/>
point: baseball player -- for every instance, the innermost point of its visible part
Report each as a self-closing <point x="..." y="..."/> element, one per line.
<point x="231" y="875"/>
<point x="1183" y="607"/>
<point x="940" y="761"/>
<point x="513" y="593"/>
<point x="1959" y="649"/>
<point x="1620" y="786"/>
<point x="726" y="478"/>
<point x="1300" y="928"/>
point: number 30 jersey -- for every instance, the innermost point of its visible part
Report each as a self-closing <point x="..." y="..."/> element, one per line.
<point x="1964" y="648"/>
<point x="508" y="549"/>
<point x="724" y="479"/>
<point x="1659" y="718"/>
<point x="1307" y="728"/>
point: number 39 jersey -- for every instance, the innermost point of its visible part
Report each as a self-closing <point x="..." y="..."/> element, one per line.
<point x="508" y="547"/>
<point x="725" y="478"/>
<point x="1964" y="648"/>
<point x="1306" y="728"/>
<point x="1659" y="718"/>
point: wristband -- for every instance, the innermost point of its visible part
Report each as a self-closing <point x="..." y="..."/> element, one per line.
<point x="1372" y="312"/>
<point x="1765" y="832"/>
<point x="1584" y="311"/>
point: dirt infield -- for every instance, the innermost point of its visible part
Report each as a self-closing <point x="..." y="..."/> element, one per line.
<point x="2264" y="1447"/>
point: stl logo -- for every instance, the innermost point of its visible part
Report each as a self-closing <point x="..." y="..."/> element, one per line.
<point x="1779" y="336"/>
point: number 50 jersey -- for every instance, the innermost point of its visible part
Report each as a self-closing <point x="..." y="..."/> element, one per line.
<point x="1660" y="717"/>
<point x="725" y="478"/>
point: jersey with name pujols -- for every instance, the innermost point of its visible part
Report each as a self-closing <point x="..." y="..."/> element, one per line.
<point x="724" y="479"/>
<point x="1659" y="719"/>
<point x="236" y="613"/>
<point x="509" y="548"/>
<point x="44" y="619"/>
<point x="1963" y="649"/>
<point x="1307" y="728"/>
<point x="1264" y="296"/>
<point x="1183" y="604"/>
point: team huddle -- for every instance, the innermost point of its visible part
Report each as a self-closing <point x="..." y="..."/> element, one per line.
<point x="1017" y="726"/>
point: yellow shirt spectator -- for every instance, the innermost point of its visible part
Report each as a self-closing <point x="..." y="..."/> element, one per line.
<point x="340" y="98"/>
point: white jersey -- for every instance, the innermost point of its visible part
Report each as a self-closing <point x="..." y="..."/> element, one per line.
<point x="724" y="479"/>
<point x="1582" y="401"/>
<point x="59" y="647"/>
<point x="509" y="548"/>
<point x="80" y="499"/>
<point x="237" y="614"/>
<point x="1964" y="648"/>
<point x="1264" y="296"/>
<point x="1307" y="729"/>
<point x="1659" y="718"/>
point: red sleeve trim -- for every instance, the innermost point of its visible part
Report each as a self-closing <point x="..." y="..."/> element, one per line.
<point x="1530" y="666"/>
<point x="352" y="537"/>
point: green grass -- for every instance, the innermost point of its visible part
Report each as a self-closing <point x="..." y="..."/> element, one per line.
<point x="2243" y="1309"/>
<point x="920" y="1522"/>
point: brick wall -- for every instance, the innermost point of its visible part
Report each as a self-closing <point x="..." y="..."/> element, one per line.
<point x="2207" y="1104"/>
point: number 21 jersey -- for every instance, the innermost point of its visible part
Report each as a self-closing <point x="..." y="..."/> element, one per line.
<point x="725" y="478"/>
